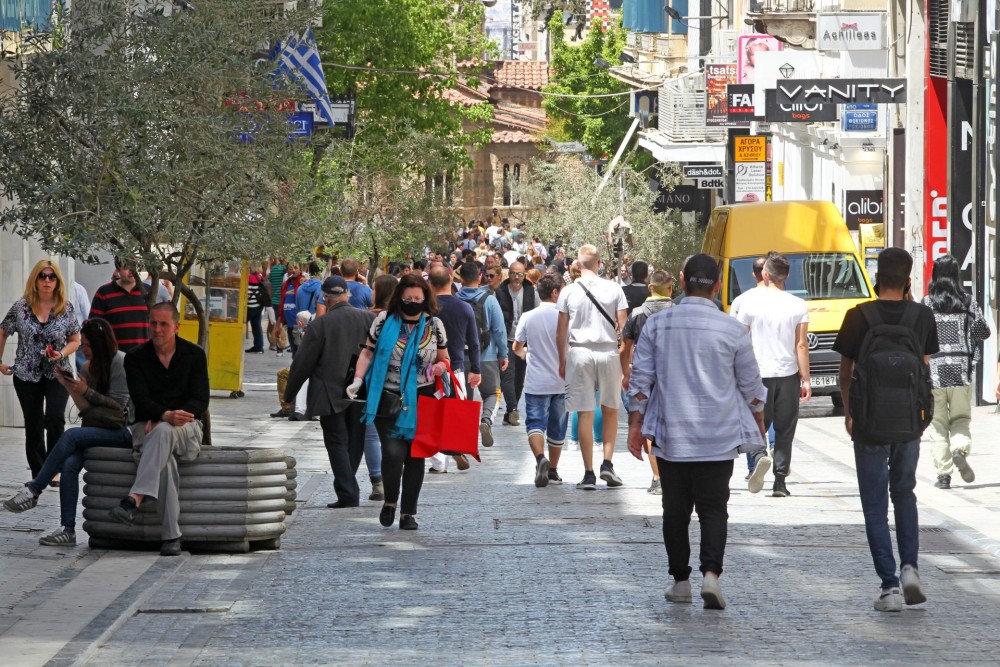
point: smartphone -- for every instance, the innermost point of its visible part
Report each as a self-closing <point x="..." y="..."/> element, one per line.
<point x="67" y="373"/>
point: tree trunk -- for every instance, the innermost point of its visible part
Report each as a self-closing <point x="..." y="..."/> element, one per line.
<point x="199" y="309"/>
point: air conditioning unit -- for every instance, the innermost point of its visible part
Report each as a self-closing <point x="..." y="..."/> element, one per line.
<point x="724" y="43"/>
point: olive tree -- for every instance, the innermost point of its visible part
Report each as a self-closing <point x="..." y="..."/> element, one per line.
<point x="160" y="136"/>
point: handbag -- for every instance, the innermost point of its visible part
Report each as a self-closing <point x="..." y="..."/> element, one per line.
<point x="390" y="404"/>
<point x="99" y="416"/>
<point x="447" y="424"/>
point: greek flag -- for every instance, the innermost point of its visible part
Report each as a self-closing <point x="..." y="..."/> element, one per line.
<point x="299" y="60"/>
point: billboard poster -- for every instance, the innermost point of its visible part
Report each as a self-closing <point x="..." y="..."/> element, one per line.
<point x="717" y="77"/>
<point x="750" y="181"/>
<point x="747" y="48"/>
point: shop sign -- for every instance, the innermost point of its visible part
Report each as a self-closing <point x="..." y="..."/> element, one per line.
<point x="740" y="104"/>
<point x="808" y="112"/>
<point x="850" y="32"/>
<point x="863" y="207"/>
<point x="703" y="171"/>
<point x="750" y="149"/>
<point x="717" y="78"/>
<point x="750" y="180"/>
<point x="842" y="91"/>
<point x="860" y="118"/>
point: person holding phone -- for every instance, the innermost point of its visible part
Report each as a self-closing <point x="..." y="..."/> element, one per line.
<point x="48" y="334"/>
<point x="101" y="382"/>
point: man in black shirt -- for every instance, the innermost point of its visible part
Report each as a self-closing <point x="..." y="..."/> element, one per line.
<point x="887" y="469"/>
<point x="637" y="293"/>
<point x="168" y="382"/>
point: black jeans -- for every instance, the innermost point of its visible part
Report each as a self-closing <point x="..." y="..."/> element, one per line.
<point x="782" y="410"/>
<point x="398" y="465"/>
<point x="43" y="405"/>
<point x="344" y="437"/>
<point x="512" y="379"/>
<point x="253" y="316"/>
<point x="704" y="487"/>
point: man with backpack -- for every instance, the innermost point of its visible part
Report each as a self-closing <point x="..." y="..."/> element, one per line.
<point x="492" y="343"/>
<point x="885" y="348"/>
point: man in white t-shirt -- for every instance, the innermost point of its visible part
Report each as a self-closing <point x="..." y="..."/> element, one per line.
<point x="544" y="390"/>
<point x="588" y="359"/>
<point x="778" y="323"/>
<point x="757" y="270"/>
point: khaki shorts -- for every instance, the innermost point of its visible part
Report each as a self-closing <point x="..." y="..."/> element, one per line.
<point x="588" y="371"/>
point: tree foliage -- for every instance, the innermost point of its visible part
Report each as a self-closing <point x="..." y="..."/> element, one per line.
<point x="400" y="59"/>
<point x="126" y="137"/>
<point x="569" y="210"/>
<point x="599" y="123"/>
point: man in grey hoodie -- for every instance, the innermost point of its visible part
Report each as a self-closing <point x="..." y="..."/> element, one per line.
<point x="493" y="355"/>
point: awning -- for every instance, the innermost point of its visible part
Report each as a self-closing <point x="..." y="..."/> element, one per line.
<point x="666" y="150"/>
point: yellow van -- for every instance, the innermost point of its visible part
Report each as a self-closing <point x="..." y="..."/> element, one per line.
<point x="826" y="269"/>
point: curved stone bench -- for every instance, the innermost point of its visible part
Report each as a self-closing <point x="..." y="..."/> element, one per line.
<point x="232" y="500"/>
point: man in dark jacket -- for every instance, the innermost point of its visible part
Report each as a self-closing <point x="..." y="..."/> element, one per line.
<point x="323" y="359"/>
<point x="516" y="297"/>
<point x="637" y="293"/>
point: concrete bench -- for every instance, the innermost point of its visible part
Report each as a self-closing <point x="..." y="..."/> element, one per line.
<point x="232" y="500"/>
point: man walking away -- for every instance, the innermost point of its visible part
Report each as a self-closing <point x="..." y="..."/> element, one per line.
<point x="460" y="328"/>
<point x="516" y="296"/>
<point x="323" y="359"/>
<point x="492" y="343"/>
<point x="544" y="390"/>
<point x="591" y="313"/>
<point x="659" y="291"/>
<point x="778" y="323"/>
<point x="885" y="345"/>
<point x="122" y="302"/>
<point x="757" y="271"/>
<point x="698" y="396"/>
<point x="637" y="293"/>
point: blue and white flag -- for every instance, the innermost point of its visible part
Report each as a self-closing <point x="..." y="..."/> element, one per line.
<point x="299" y="59"/>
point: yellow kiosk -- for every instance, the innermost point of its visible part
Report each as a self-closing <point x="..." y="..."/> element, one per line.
<point x="872" y="242"/>
<point x="223" y="292"/>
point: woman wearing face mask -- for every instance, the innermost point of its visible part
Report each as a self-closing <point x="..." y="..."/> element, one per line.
<point x="48" y="333"/>
<point x="407" y="348"/>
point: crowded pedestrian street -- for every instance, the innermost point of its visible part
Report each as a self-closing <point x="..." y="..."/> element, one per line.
<point x="504" y="573"/>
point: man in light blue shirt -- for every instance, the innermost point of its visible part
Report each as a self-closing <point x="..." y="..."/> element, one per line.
<point x="695" y="391"/>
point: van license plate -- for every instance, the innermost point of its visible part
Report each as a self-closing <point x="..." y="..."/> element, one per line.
<point x="823" y="381"/>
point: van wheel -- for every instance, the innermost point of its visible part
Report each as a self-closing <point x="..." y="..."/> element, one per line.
<point x="838" y="405"/>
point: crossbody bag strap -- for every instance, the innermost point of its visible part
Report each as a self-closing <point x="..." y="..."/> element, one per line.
<point x="614" y="325"/>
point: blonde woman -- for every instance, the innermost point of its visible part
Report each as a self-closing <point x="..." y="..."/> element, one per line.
<point x="48" y="334"/>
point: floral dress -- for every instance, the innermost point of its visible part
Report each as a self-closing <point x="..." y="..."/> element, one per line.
<point x="30" y="362"/>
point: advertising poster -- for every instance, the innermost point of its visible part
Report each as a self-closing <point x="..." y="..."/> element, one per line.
<point x="751" y="181"/>
<point x="717" y="77"/>
<point x="747" y="48"/>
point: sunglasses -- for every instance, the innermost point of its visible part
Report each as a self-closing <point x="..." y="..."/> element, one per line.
<point x="47" y="276"/>
<point x="492" y="275"/>
<point x="519" y="274"/>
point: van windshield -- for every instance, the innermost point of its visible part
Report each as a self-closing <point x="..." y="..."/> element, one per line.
<point x="815" y="275"/>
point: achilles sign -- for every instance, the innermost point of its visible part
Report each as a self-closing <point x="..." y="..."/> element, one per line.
<point x="850" y="32"/>
<point x="841" y="91"/>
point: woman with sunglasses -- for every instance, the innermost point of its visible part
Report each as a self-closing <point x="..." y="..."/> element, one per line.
<point x="101" y="383"/>
<point x="48" y="334"/>
<point x="407" y="348"/>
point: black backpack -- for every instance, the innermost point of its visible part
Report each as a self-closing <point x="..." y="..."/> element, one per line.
<point x="480" y="311"/>
<point x="890" y="396"/>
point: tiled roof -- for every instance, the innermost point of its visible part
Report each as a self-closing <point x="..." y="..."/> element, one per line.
<point x="513" y="137"/>
<point x="530" y="74"/>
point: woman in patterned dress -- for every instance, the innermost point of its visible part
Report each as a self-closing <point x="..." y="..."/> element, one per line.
<point x="48" y="334"/>
<point x="960" y="328"/>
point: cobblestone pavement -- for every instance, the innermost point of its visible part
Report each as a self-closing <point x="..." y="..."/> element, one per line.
<point x="502" y="573"/>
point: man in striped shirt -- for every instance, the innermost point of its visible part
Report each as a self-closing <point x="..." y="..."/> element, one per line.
<point x="122" y="302"/>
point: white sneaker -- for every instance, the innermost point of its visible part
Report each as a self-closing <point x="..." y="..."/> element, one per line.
<point x="679" y="592"/>
<point x="909" y="580"/>
<point x="755" y="482"/>
<point x="889" y="599"/>
<point x="711" y="592"/>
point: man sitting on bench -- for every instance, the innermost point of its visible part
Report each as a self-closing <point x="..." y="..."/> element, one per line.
<point x="168" y="380"/>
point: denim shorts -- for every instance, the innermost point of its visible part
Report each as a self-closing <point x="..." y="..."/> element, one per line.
<point x="546" y="415"/>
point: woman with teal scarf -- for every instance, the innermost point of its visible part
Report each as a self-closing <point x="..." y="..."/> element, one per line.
<point x="407" y="348"/>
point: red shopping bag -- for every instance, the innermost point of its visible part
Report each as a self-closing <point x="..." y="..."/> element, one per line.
<point x="447" y="424"/>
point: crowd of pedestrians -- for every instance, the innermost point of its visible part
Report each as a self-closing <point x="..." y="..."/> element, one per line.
<point x="521" y="323"/>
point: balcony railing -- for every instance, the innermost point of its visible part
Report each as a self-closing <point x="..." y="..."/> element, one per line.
<point x="17" y="15"/>
<point x="781" y="6"/>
